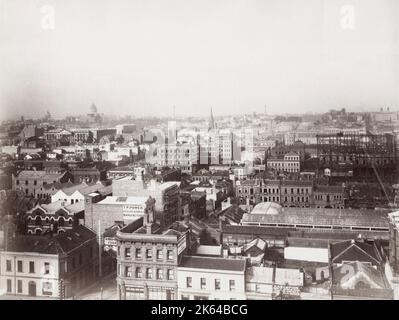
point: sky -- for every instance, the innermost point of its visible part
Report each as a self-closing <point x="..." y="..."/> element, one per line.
<point x="142" y="57"/>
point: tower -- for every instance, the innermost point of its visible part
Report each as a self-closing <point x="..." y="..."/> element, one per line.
<point x="211" y="121"/>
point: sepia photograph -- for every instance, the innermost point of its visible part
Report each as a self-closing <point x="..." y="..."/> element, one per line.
<point x="199" y="150"/>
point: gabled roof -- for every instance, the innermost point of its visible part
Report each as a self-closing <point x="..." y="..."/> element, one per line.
<point x="352" y="250"/>
<point x="360" y="272"/>
<point x="60" y="244"/>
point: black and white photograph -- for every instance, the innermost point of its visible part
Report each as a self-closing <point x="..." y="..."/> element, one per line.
<point x="172" y="150"/>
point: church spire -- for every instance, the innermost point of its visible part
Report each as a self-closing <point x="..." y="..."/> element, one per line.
<point x="212" y="121"/>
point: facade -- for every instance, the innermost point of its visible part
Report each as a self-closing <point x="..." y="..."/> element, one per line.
<point x="208" y="278"/>
<point x="183" y="156"/>
<point x="30" y="181"/>
<point x="147" y="258"/>
<point x="165" y="194"/>
<point x="329" y="197"/>
<point x="76" y="193"/>
<point x="113" y="210"/>
<point x="88" y="174"/>
<point x="49" y="267"/>
<point x="56" y="217"/>
<point x="288" y="193"/>
<point x="290" y="163"/>
<point x="366" y="152"/>
<point x="268" y="283"/>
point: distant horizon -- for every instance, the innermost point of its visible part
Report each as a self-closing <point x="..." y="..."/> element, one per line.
<point x="144" y="57"/>
<point x="177" y="116"/>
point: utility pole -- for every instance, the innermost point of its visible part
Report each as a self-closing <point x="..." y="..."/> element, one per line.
<point x="99" y="251"/>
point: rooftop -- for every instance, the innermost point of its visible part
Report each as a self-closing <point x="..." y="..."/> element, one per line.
<point x="60" y="244"/>
<point x="124" y="200"/>
<point x="213" y="263"/>
<point x="265" y="214"/>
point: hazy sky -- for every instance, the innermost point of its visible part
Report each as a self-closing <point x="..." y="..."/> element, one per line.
<point x="141" y="57"/>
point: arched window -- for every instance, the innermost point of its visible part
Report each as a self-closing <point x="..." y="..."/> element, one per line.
<point x="61" y="222"/>
<point x="38" y="221"/>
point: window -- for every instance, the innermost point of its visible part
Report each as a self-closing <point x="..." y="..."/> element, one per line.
<point x="203" y="283"/>
<point x="19" y="266"/>
<point x="46" y="268"/>
<point x="47" y="288"/>
<point x="160" y="254"/>
<point x="127" y="253"/>
<point x="8" y="267"/>
<point x="35" y="182"/>
<point x="148" y="253"/>
<point x="19" y="286"/>
<point x="159" y="274"/>
<point x="9" y="285"/>
<point x="171" y="275"/>
<point x="189" y="282"/>
<point x="128" y="271"/>
<point x="139" y="273"/>
<point x="232" y="285"/>
<point x="138" y="253"/>
<point x="17" y="182"/>
<point x="26" y="182"/>
<point x="31" y="267"/>
<point x="217" y="284"/>
<point x="170" y="254"/>
<point x="149" y="273"/>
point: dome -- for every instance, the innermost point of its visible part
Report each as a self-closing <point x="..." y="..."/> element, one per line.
<point x="93" y="108"/>
<point x="271" y="208"/>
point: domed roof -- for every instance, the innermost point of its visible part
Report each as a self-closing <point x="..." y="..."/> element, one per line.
<point x="271" y="208"/>
<point x="93" y="108"/>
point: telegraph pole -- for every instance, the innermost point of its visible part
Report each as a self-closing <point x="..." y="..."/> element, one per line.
<point x="99" y="251"/>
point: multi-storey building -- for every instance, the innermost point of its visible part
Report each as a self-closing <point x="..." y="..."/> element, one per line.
<point x="165" y="195"/>
<point x="328" y="197"/>
<point x="56" y="217"/>
<point x="56" y="267"/>
<point x="111" y="210"/>
<point x="210" y="278"/>
<point x="288" y="193"/>
<point x="147" y="258"/>
<point x="290" y="163"/>
<point x="373" y="157"/>
<point x="183" y="156"/>
<point x="29" y="181"/>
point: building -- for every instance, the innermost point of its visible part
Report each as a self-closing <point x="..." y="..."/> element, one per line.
<point x="288" y="193"/>
<point x="29" y="181"/>
<point x="165" y="194"/>
<point x="50" y="267"/>
<point x="209" y="278"/>
<point x="91" y="174"/>
<point x="368" y="223"/>
<point x="113" y="210"/>
<point x="179" y="155"/>
<point x="74" y="193"/>
<point x="328" y="196"/>
<point x="147" y="258"/>
<point x="55" y="217"/>
<point x="368" y="153"/>
<point x="290" y="163"/>
<point x="271" y="283"/>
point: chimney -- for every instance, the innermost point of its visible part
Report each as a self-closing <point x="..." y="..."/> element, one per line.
<point x="148" y="228"/>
